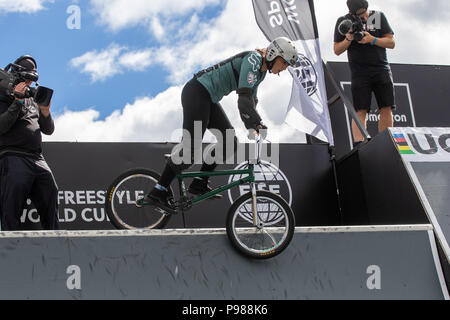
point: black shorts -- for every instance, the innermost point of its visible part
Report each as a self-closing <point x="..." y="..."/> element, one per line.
<point x="381" y="84"/>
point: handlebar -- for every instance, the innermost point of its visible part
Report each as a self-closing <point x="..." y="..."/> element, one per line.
<point x="258" y="142"/>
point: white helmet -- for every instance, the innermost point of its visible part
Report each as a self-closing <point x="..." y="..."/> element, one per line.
<point x="282" y="47"/>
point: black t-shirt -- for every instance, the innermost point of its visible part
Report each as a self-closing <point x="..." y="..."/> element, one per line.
<point x="21" y="127"/>
<point x="365" y="59"/>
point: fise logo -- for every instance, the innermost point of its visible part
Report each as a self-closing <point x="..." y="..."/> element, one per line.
<point x="267" y="177"/>
<point x="306" y="74"/>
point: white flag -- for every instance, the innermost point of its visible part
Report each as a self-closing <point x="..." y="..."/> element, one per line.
<point x="308" y="108"/>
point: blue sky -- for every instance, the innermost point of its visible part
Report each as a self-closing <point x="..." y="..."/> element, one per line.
<point x="119" y="77"/>
<point x="45" y="36"/>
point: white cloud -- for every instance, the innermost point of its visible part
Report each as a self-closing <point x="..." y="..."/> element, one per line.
<point x="200" y="43"/>
<point x="146" y="119"/>
<point x="136" y="60"/>
<point x="121" y="14"/>
<point x="100" y="65"/>
<point x="115" y="59"/>
<point x="27" y="6"/>
<point x="156" y="119"/>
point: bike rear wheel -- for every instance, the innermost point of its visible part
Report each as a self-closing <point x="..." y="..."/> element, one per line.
<point x="122" y="195"/>
<point x="271" y="236"/>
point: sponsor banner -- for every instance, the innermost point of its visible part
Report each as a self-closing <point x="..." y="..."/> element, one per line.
<point x="82" y="186"/>
<point x="422" y="144"/>
<point x="308" y="108"/>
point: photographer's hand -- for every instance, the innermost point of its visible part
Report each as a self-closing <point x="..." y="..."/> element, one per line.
<point x="45" y="111"/>
<point x="368" y="38"/>
<point x="341" y="47"/>
<point x="19" y="90"/>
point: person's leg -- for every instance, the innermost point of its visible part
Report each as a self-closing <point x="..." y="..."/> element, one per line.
<point x="44" y="195"/>
<point x="386" y="119"/>
<point x="362" y="98"/>
<point x="357" y="135"/>
<point x="226" y="146"/>
<point x="196" y="107"/>
<point x="15" y="184"/>
<point x="385" y="94"/>
<point x="221" y="127"/>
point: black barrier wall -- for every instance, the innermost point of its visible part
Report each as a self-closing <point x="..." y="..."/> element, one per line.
<point x="376" y="188"/>
<point x="422" y="98"/>
<point x="83" y="172"/>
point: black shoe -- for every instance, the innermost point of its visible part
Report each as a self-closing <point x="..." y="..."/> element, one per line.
<point x="357" y="144"/>
<point x="160" y="199"/>
<point x="199" y="187"/>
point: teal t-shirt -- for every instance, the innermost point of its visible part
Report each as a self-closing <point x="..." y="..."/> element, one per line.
<point x="240" y="71"/>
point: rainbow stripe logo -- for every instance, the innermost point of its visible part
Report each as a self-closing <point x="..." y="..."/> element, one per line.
<point x="402" y="145"/>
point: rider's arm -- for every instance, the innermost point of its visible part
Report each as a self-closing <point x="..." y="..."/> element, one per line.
<point x="247" y="108"/>
<point x="250" y="70"/>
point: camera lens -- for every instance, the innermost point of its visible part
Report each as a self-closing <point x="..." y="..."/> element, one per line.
<point x="345" y="26"/>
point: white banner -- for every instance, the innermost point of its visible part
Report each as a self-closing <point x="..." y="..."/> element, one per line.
<point x="295" y="19"/>
<point x="423" y="144"/>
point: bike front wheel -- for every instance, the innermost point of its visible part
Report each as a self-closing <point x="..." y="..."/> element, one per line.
<point x="274" y="228"/>
<point x="122" y="195"/>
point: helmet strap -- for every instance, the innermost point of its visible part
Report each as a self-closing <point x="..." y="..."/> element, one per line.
<point x="270" y="65"/>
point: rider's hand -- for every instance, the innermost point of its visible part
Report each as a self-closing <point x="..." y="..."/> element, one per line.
<point x="260" y="130"/>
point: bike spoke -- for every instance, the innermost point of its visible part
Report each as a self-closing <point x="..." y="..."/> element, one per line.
<point x="274" y="223"/>
<point x="126" y="208"/>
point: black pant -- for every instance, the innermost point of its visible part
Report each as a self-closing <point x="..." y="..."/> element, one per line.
<point x="198" y="107"/>
<point x="22" y="178"/>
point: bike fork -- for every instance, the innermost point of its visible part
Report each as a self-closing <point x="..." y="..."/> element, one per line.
<point x="256" y="221"/>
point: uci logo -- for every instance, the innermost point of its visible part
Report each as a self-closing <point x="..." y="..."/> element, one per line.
<point x="267" y="177"/>
<point x="432" y="145"/>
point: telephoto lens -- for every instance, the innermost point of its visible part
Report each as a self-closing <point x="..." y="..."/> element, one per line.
<point x="345" y="27"/>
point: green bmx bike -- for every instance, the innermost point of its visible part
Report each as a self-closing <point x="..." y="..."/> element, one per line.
<point x="259" y="224"/>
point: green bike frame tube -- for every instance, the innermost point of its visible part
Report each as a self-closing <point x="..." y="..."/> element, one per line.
<point x="249" y="179"/>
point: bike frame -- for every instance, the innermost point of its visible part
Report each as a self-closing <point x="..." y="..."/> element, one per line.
<point x="249" y="179"/>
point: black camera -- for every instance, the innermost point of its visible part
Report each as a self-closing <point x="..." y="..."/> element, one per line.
<point x="353" y="25"/>
<point x="14" y="74"/>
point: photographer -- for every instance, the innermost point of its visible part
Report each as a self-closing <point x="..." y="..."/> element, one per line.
<point x="366" y="35"/>
<point x="24" y="172"/>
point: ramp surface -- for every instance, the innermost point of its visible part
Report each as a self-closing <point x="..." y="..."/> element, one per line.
<point x="426" y="155"/>
<point x="321" y="263"/>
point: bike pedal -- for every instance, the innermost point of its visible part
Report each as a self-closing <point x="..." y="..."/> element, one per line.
<point x="162" y="211"/>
